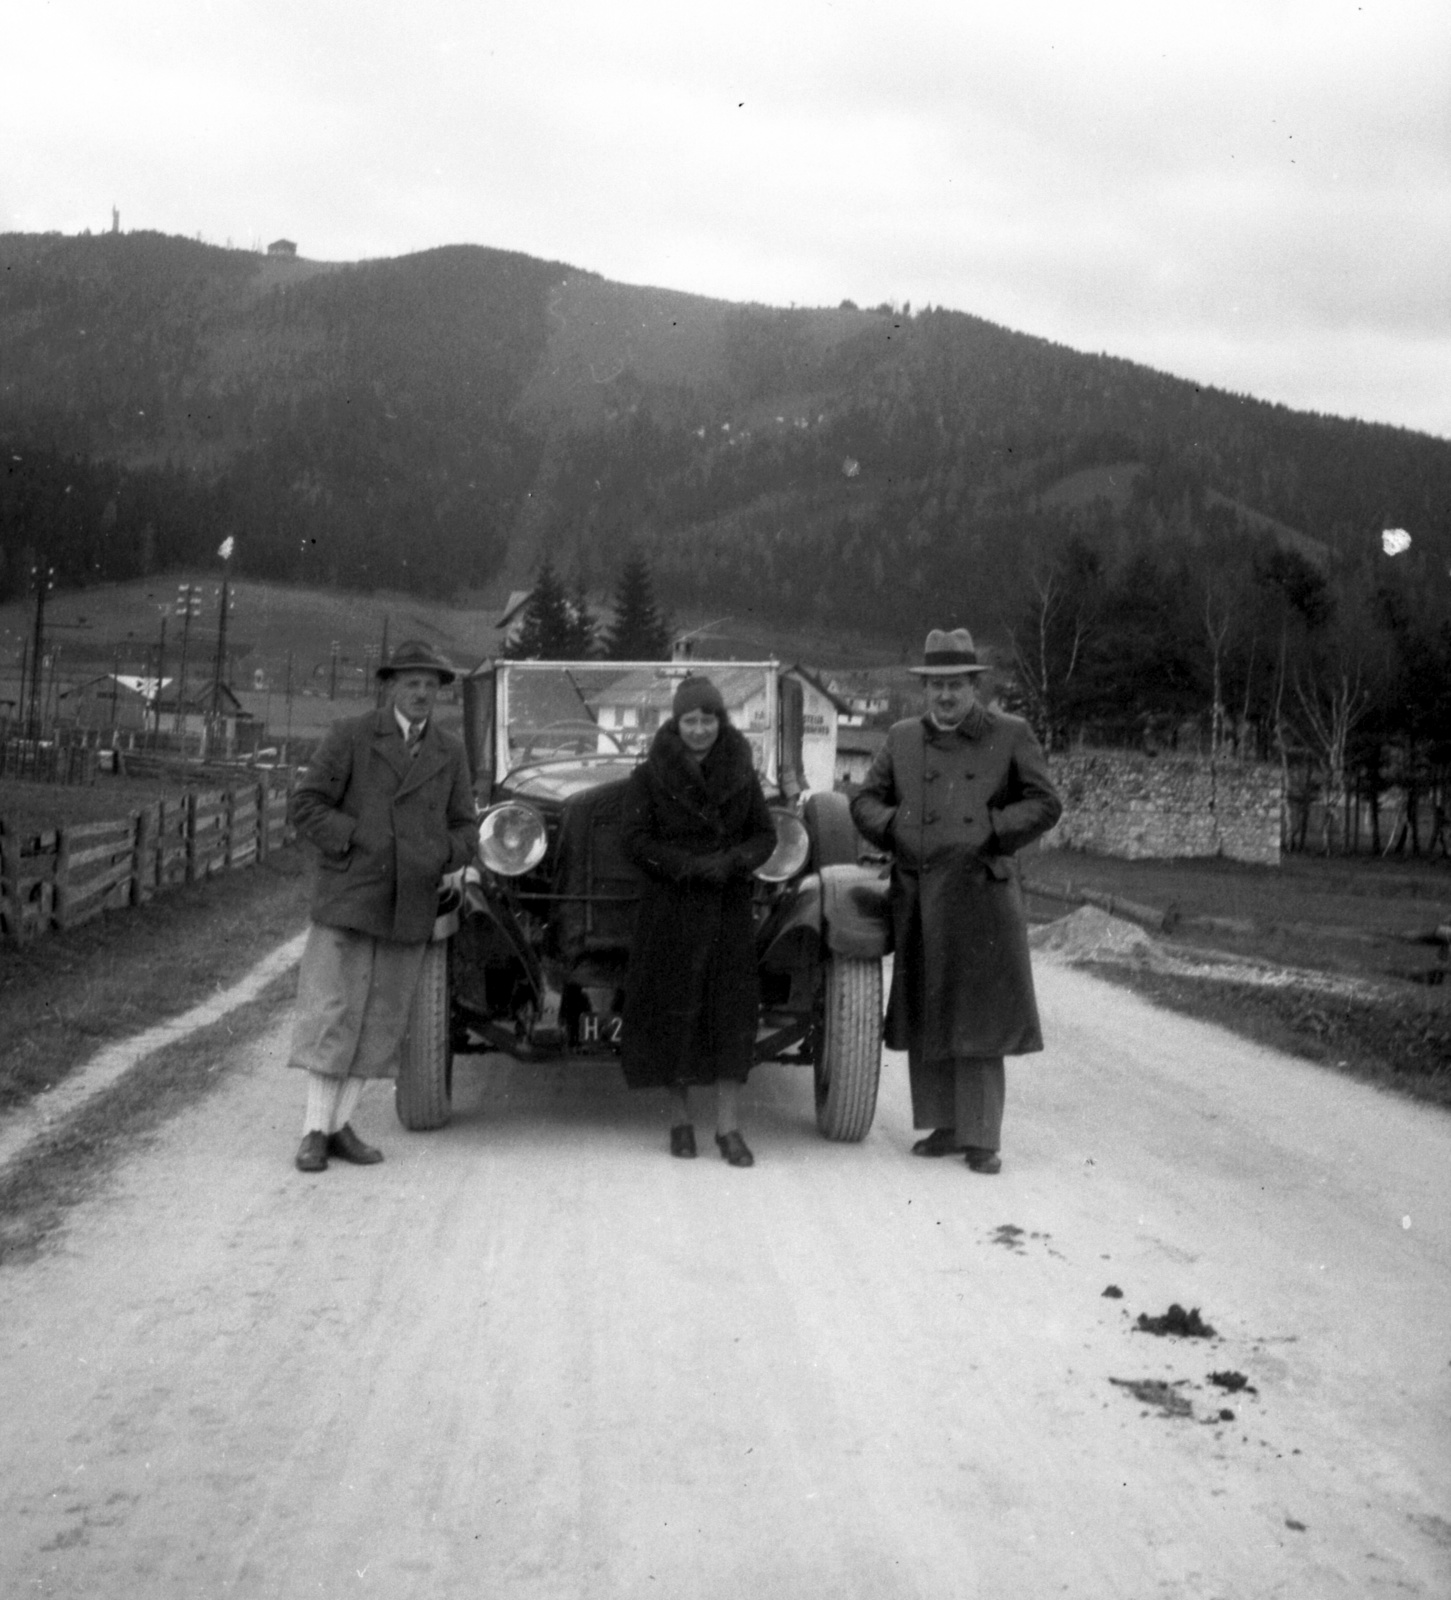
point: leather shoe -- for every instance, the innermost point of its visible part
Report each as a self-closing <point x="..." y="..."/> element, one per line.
<point x="735" y="1149"/>
<point x="682" y="1141"/>
<point x="940" y="1142"/>
<point x="347" y="1146"/>
<point x="312" y="1153"/>
<point x="984" y="1161"/>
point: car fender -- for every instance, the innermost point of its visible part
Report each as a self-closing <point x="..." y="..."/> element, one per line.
<point x="481" y="898"/>
<point x="450" y="903"/>
<point x="843" y="908"/>
<point x="854" y="908"/>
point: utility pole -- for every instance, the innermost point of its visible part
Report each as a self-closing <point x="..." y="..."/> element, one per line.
<point x="189" y="603"/>
<point x="43" y="577"/>
<point x="287" y="738"/>
<point x="224" y="550"/>
<point x="226" y="602"/>
<point x="382" y="662"/>
<point x="160" y="677"/>
<point x="22" y="702"/>
<point x="50" y="707"/>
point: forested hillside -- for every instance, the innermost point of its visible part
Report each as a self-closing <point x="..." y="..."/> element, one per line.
<point x="922" y="459"/>
<point x="351" y="425"/>
<point x="423" y="421"/>
<point x="1141" y="549"/>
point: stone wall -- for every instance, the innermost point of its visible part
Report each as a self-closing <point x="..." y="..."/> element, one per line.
<point x="1124" y="803"/>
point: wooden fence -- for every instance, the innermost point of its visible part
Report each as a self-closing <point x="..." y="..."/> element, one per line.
<point x="65" y="876"/>
<point x="48" y="760"/>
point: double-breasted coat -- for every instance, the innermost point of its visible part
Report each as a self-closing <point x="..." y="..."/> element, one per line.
<point x="387" y="825"/>
<point x="696" y="832"/>
<point x="952" y="807"/>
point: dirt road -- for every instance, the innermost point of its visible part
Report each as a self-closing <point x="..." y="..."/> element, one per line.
<point x="534" y="1356"/>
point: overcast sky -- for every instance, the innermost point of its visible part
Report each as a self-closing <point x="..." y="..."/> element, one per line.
<point x="1256" y="196"/>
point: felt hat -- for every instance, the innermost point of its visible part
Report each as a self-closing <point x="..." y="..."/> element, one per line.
<point x="413" y="655"/>
<point x="697" y="694"/>
<point x="948" y="655"/>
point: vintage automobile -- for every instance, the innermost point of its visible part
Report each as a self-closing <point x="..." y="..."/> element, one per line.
<point x="531" y="948"/>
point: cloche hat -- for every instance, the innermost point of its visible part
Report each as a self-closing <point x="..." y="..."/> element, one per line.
<point x="948" y="655"/>
<point x="697" y="693"/>
<point x="413" y="655"/>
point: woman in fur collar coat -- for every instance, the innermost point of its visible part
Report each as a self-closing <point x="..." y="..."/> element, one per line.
<point x="696" y="824"/>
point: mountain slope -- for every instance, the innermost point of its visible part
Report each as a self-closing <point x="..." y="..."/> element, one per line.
<point x="441" y="419"/>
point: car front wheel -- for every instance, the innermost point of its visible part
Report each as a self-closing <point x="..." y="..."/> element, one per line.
<point x="848" y="1048"/>
<point x="424" y="1090"/>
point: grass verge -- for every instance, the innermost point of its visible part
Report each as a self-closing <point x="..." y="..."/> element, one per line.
<point x="68" y="1164"/>
<point x="65" y="996"/>
<point x="1405" y="1047"/>
<point x="1362" y="922"/>
<point x="1357" y="916"/>
<point x="28" y="808"/>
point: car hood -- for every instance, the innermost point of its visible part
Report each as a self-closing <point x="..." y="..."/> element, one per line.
<point x="558" y="781"/>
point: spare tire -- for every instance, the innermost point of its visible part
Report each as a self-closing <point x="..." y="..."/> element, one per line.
<point x="834" y="839"/>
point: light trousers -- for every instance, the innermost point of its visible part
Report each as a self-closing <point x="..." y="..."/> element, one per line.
<point x="354" y="993"/>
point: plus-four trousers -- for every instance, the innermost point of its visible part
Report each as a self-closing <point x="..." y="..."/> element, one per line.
<point x="354" y="993"/>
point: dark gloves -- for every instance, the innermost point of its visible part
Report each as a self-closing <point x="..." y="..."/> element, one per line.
<point x="715" y="870"/>
<point x="718" y="868"/>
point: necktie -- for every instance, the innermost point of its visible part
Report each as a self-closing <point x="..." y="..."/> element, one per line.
<point x="415" y="733"/>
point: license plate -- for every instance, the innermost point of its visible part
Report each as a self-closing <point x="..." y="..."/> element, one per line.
<point x="601" y="1031"/>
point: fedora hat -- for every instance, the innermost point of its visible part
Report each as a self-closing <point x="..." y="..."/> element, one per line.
<point x="413" y="655"/>
<point x="948" y="655"/>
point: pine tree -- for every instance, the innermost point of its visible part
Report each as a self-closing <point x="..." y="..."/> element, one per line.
<point x="639" y="632"/>
<point x="547" y="631"/>
<point x="584" y="626"/>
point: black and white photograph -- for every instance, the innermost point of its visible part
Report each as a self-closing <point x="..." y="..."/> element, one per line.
<point x="725" y="800"/>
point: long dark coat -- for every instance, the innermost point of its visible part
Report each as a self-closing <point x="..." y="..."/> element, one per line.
<point x="953" y="808"/>
<point x="696" y="833"/>
<point x="387" y="826"/>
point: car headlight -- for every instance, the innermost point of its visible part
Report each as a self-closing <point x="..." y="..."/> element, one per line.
<point x="793" y="848"/>
<point x="512" y="838"/>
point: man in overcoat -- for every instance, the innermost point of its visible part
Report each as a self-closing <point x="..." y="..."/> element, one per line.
<point x="386" y="801"/>
<point x="952" y="795"/>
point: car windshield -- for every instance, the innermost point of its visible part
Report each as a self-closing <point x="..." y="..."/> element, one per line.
<point x="579" y="712"/>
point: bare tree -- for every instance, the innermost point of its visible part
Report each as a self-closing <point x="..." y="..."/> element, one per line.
<point x="1046" y="648"/>
<point x="1216" y="629"/>
<point x="1330" y="708"/>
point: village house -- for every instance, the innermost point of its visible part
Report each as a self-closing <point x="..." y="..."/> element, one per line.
<point x="631" y="710"/>
<point x="855" y="750"/>
<point x="862" y="702"/>
<point x="510" y="621"/>
<point x="111" y="700"/>
<point x="212" y="712"/>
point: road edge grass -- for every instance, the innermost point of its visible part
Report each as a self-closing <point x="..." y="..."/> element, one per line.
<point x="67" y="1164"/>
<point x="1385" y="1041"/>
<point x="68" y="995"/>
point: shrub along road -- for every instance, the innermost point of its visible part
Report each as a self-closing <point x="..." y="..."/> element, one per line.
<point x="532" y="1355"/>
